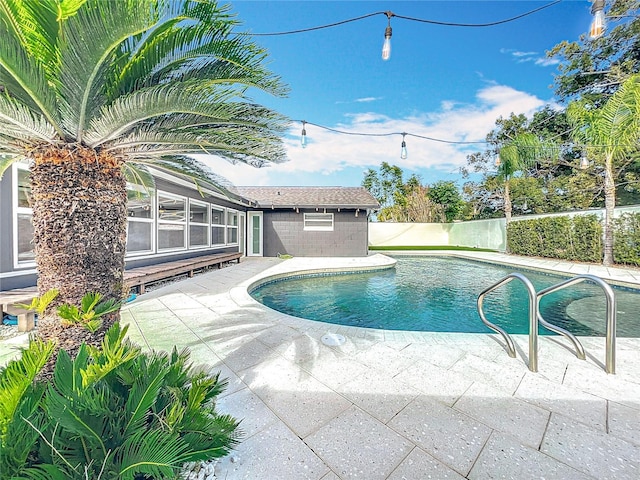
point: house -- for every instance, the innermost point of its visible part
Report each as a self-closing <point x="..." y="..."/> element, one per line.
<point x="177" y="221"/>
<point x="308" y="221"/>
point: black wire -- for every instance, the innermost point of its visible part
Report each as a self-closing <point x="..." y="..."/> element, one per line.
<point x="362" y="134"/>
<point x="302" y="30"/>
<point x="490" y="24"/>
<point x="391" y="14"/>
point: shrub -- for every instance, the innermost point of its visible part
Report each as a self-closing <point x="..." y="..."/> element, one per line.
<point x="626" y="234"/>
<point x="576" y="238"/>
<point x="112" y="412"/>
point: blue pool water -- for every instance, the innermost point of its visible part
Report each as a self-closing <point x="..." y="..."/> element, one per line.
<point x="438" y="294"/>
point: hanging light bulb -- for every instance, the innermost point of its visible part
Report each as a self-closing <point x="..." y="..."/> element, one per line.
<point x="386" y="46"/>
<point x="403" y="148"/>
<point x="584" y="161"/>
<point x="303" y="137"/>
<point x="497" y="162"/>
<point x="598" y="24"/>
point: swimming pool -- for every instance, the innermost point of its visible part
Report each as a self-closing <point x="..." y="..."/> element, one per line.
<point x="439" y="294"/>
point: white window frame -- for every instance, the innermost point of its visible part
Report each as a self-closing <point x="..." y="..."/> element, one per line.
<point x="152" y="220"/>
<point x="222" y="225"/>
<point x="229" y="226"/>
<point x="311" y="218"/>
<point x="160" y="222"/>
<point x="206" y="226"/>
<point x="19" y="211"/>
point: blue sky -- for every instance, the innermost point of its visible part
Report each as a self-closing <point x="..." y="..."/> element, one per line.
<point x="444" y="82"/>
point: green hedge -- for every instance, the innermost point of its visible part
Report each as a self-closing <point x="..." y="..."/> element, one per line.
<point x="626" y="243"/>
<point x="567" y="238"/>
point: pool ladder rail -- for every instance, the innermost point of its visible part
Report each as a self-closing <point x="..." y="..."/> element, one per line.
<point x="535" y="318"/>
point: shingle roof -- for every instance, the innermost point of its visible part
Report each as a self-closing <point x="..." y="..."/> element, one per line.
<point x="336" y="197"/>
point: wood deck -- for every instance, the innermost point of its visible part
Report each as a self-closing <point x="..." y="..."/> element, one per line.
<point x="138" y="278"/>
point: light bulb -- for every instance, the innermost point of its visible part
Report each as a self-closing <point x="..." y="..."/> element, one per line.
<point x="403" y="149"/>
<point x="584" y="162"/>
<point x="598" y="25"/>
<point x="303" y="137"/>
<point x="498" y="162"/>
<point x="386" y="46"/>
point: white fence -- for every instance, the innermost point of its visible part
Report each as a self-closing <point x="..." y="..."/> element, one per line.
<point x="489" y="233"/>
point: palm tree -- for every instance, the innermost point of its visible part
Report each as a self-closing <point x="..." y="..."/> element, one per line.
<point x="515" y="157"/>
<point x="93" y="92"/>
<point x="610" y="135"/>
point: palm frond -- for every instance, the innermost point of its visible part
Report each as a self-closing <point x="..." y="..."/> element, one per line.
<point x="23" y="75"/>
<point x="139" y="175"/>
<point x="91" y="38"/>
<point x="192" y="169"/>
<point x="17" y="377"/>
<point x="124" y="114"/>
<point x="6" y="160"/>
<point x="155" y="453"/>
<point x="18" y="121"/>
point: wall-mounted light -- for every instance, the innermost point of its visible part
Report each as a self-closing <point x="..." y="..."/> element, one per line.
<point x="386" y="46"/>
<point x="325" y="210"/>
<point x="598" y="24"/>
<point x="303" y="136"/>
<point x="403" y="148"/>
<point x="357" y="210"/>
<point x="297" y="210"/>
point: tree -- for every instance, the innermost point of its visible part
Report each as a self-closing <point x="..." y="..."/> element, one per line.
<point x="611" y="136"/>
<point x="448" y="196"/>
<point x="386" y="185"/>
<point x="593" y="70"/>
<point x="95" y="91"/>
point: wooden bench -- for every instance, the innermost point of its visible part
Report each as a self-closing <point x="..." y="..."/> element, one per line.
<point x="26" y="318"/>
<point x="139" y="277"/>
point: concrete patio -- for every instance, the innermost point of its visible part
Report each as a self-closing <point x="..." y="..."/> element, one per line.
<point x="390" y="404"/>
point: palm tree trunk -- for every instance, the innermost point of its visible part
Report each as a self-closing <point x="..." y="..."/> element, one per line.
<point x="609" y="206"/>
<point x="79" y="219"/>
<point x="507" y="212"/>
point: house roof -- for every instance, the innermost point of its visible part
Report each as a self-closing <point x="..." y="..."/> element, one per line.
<point x="303" y="197"/>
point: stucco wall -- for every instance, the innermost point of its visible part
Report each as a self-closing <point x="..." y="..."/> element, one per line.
<point x="284" y="233"/>
<point x="478" y="233"/>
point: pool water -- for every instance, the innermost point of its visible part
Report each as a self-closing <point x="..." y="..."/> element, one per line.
<point x="438" y="294"/>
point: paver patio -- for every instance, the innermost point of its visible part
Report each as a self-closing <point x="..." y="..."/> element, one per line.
<point x="395" y="405"/>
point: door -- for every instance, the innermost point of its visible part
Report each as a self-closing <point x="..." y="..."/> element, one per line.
<point x="254" y="231"/>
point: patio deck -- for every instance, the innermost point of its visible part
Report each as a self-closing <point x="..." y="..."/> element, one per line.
<point x="396" y="405"/>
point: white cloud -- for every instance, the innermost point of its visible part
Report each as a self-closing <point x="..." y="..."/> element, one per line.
<point x="368" y="99"/>
<point x="535" y="57"/>
<point x="329" y="152"/>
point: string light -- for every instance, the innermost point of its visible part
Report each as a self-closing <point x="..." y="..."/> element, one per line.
<point x="584" y="161"/>
<point x="598" y="24"/>
<point x="403" y="148"/>
<point x="303" y="136"/>
<point x="412" y="19"/>
<point x="497" y="162"/>
<point x="386" y="46"/>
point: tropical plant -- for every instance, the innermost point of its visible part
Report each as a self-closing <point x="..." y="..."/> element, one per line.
<point x="610" y="135"/>
<point x="89" y="313"/>
<point x="20" y="396"/>
<point x="40" y="304"/>
<point x="93" y="92"/>
<point x="115" y="412"/>
<point x="515" y="157"/>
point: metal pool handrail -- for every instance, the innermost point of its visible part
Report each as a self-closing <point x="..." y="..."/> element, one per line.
<point x="610" y="362"/>
<point x="533" y="318"/>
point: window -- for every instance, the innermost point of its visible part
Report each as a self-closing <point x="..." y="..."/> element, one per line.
<point x="217" y="226"/>
<point x="198" y="224"/>
<point x="232" y="226"/>
<point x="140" y="224"/>
<point x="24" y="253"/>
<point x="318" y="221"/>
<point x="171" y="222"/>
